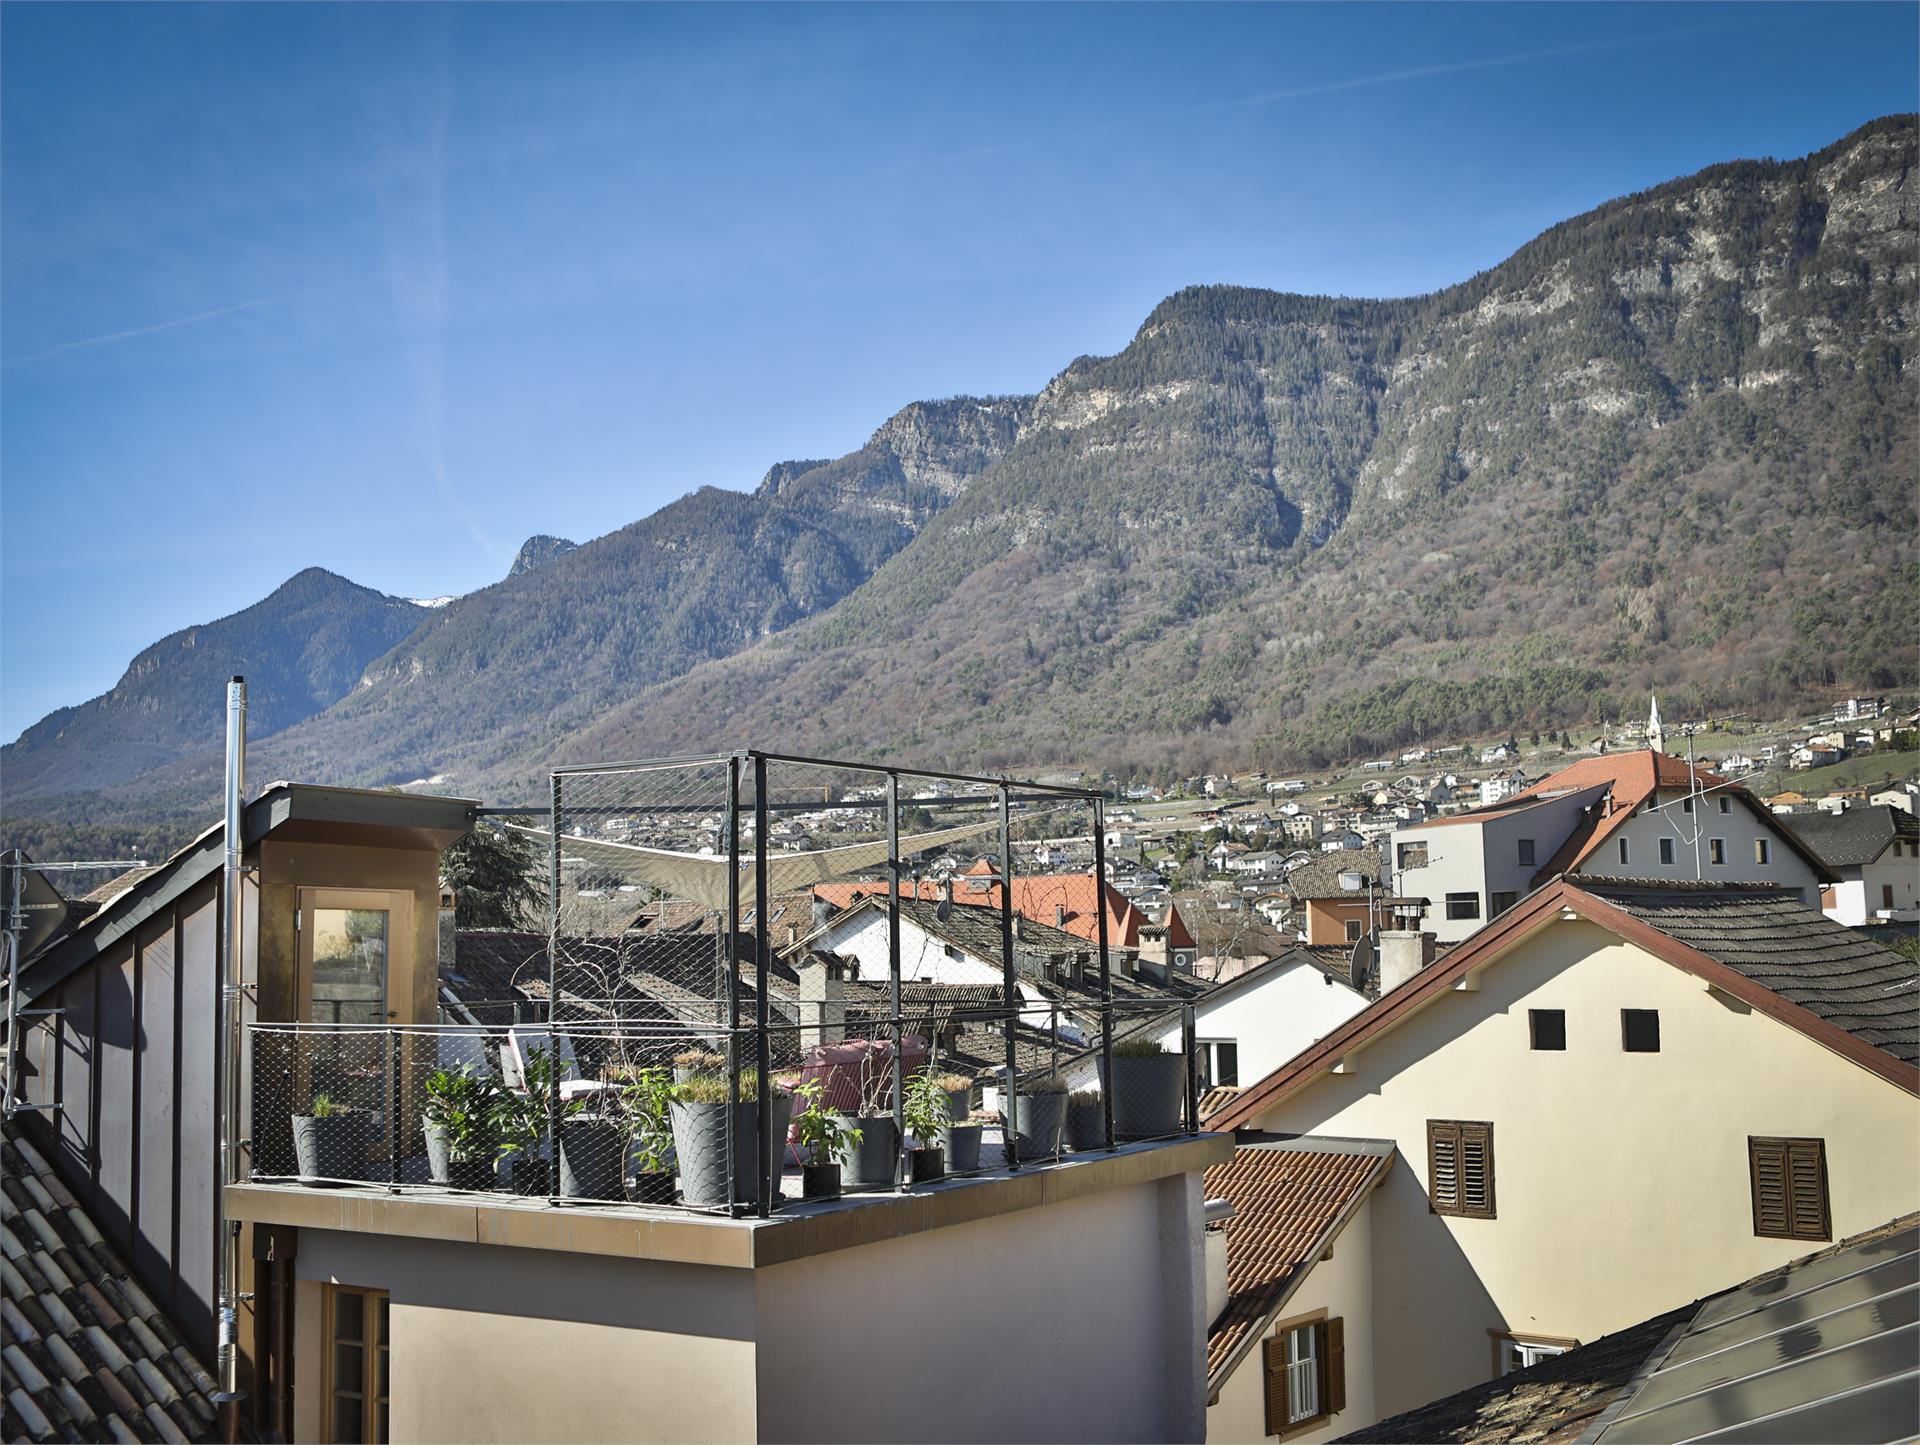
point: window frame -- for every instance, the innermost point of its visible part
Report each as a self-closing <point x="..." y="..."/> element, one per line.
<point x="1628" y="1016"/>
<point x="1666" y="852"/>
<point x="1330" y="1375"/>
<point x="1537" y="1016"/>
<point x="375" y="1360"/>
<point x="1460" y="1132"/>
<point x="1524" y="850"/>
<point x="1726" y="803"/>
<point x="1463" y="901"/>
<point x="1551" y="1345"/>
<point x="1763" y="852"/>
<point x="1812" y="1154"/>
<point x="1626" y="854"/>
<point x="1209" y="1050"/>
<point x="1717" y="852"/>
<point x="1354" y="929"/>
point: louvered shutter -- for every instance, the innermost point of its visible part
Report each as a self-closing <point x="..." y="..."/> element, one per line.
<point x="1476" y="1170"/>
<point x="1276" y="1361"/>
<point x="1807" y="1189"/>
<point x="1443" y="1166"/>
<point x="1767" y="1159"/>
<point x="1334" y="1351"/>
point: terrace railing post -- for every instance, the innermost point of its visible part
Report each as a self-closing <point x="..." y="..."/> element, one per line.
<point x="553" y="1001"/>
<point x="893" y="979"/>
<point x="1011" y="983"/>
<point x="769" y="1175"/>
<point x="393" y="1109"/>
<point x="731" y="970"/>
<point x="1106" y="973"/>
<point x="1189" y="1048"/>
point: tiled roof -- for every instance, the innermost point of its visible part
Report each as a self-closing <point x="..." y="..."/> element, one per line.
<point x="1551" y="1403"/>
<point x="1321" y="877"/>
<point x="1288" y="1199"/>
<point x="1217" y="1097"/>
<point x="1855" y="836"/>
<point x="88" y="1356"/>
<point x="1070" y="899"/>
<point x="1833" y="972"/>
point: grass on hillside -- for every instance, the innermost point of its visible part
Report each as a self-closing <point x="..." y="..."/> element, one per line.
<point x="1869" y="769"/>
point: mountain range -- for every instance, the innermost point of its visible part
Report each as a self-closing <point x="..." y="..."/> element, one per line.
<point x="1669" y="442"/>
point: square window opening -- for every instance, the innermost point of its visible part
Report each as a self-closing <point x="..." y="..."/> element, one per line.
<point x="1640" y="1030"/>
<point x="1548" y="1029"/>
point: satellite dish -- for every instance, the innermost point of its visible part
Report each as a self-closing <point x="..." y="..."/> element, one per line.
<point x="41" y="904"/>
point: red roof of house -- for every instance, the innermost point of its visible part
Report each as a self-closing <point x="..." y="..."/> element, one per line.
<point x="1062" y="900"/>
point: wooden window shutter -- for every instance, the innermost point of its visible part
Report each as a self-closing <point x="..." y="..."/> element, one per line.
<point x="1276" y="1362"/>
<point x="1790" y="1188"/>
<point x="1333" y="1394"/>
<point x="1460" y="1168"/>
<point x="1443" y="1166"/>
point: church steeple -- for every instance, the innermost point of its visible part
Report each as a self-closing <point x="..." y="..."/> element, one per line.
<point x="1656" y="733"/>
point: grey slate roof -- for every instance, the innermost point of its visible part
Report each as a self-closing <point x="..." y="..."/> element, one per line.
<point x="1321" y="877"/>
<point x="88" y="1355"/>
<point x="1856" y="836"/>
<point x="1836" y="973"/>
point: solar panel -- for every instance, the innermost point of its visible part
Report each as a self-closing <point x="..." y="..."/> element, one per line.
<point x="1798" y="1309"/>
<point x="1808" y="1276"/>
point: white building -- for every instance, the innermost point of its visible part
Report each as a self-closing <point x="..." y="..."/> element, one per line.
<point x="1876" y="853"/>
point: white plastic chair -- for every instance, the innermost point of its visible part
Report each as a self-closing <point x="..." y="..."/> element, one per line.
<point x="522" y="1040"/>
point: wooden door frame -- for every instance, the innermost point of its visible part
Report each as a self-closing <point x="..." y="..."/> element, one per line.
<point x="397" y="904"/>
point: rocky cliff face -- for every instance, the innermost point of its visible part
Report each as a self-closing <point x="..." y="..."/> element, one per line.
<point x="537" y="551"/>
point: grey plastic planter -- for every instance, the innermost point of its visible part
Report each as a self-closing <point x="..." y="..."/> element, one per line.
<point x="475" y="1173"/>
<point x="1147" y="1095"/>
<point x="700" y="1145"/>
<point x="592" y="1153"/>
<point x="960" y="1103"/>
<point x="871" y="1160"/>
<point x="1086" y="1122"/>
<point x="331" y="1148"/>
<point x="962" y="1143"/>
<point x="1036" y="1120"/>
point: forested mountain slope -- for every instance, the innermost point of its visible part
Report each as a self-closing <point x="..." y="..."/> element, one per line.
<point x="1670" y="441"/>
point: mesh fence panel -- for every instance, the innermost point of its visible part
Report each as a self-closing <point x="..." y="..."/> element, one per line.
<point x="712" y="1019"/>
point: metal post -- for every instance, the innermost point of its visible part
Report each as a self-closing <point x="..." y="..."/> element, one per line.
<point x="16" y="931"/>
<point x="1189" y="1046"/>
<point x="763" y="1056"/>
<point x="553" y="1000"/>
<point x="1009" y="981"/>
<point x="893" y="979"/>
<point x="731" y="935"/>
<point x="1106" y="973"/>
<point x="393" y="1109"/>
<point x="231" y="956"/>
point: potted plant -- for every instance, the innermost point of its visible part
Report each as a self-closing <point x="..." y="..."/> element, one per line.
<point x="703" y="1115"/>
<point x="1148" y="1088"/>
<point x="645" y="1096"/>
<point x="875" y="1141"/>
<point x="959" y="1090"/>
<point x="520" y="1125"/>
<point x="824" y="1136"/>
<point x="329" y="1141"/>
<point x="1086" y="1126"/>
<point x="459" y="1125"/>
<point x="961" y="1140"/>
<point x="1039" y="1109"/>
<point x="928" y="1112"/>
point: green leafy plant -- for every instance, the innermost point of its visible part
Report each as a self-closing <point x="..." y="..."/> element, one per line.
<point x="927" y="1107"/>
<point x="520" y="1119"/>
<point x="643" y="1100"/>
<point x="1138" y="1046"/>
<point x="464" y="1105"/>
<point x="325" y="1108"/>
<point x="824" y="1135"/>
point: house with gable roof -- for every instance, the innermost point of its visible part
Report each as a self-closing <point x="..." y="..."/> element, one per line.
<point x="1611" y="1101"/>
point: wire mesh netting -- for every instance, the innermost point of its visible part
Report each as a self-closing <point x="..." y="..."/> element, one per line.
<point x="766" y="980"/>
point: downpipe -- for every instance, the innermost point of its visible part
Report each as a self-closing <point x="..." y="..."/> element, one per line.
<point x="227" y="1166"/>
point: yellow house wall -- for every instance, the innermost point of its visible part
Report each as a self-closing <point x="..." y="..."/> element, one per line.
<point x="1343" y="1287"/>
<point x="1621" y="1180"/>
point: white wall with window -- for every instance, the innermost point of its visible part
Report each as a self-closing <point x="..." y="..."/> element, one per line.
<point x="1735" y="844"/>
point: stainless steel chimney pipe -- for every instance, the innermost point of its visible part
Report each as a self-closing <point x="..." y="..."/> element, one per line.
<point x="227" y="1167"/>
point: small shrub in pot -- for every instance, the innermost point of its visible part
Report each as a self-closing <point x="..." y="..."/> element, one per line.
<point x="703" y="1114"/>
<point x="961" y="1140"/>
<point x="330" y="1141"/>
<point x="1086" y="1126"/>
<point x="1039" y="1109"/>
<point x="959" y="1091"/>
<point x="824" y="1136"/>
<point x="644" y="1099"/>
<point x="928" y="1112"/>
<point x="697" y="1063"/>
<point x="460" y="1124"/>
<point x="1148" y="1087"/>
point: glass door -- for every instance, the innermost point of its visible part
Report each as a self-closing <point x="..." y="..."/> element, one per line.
<point x="355" y="975"/>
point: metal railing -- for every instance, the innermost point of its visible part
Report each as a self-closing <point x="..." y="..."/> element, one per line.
<point x="668" y="1116"/>
<point x="740" y="940"/>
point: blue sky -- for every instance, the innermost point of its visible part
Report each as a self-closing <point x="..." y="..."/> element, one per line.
<point x="386" y="289"/>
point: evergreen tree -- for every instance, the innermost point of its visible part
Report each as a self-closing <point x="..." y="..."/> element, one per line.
<point x="494" y="874"/>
